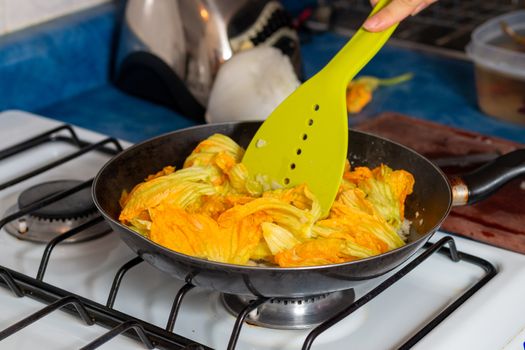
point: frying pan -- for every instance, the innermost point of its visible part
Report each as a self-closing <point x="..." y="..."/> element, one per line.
<point x="427" y="207"/>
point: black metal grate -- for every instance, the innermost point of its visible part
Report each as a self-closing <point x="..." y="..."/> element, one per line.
<point x="430" y="249"/>
<point x="490" y="272"/>
<point x="91" y="312"/>
<point x="150" y="335"/>
<point x="445" y="24"/>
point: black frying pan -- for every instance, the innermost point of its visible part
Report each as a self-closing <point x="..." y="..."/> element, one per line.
<point x="430" y="202"/>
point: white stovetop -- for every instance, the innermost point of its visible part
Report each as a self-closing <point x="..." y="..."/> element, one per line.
<point x="493" y="318"/>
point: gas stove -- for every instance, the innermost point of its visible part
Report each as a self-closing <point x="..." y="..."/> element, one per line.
<point x="63" y="256"/>
<point x="445" y="27"/>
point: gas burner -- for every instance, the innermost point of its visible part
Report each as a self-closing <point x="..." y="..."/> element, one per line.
<point x="48" y="222"/>
<point x="291" y="313"/>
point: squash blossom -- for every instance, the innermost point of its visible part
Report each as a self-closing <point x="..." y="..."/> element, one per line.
<point x="359" y="91"/>
<point x="212" y="209"/>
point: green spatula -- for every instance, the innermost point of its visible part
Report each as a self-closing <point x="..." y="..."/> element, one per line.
<point x="305" y="139"/>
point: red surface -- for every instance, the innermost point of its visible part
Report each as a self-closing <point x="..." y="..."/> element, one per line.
<point x="498" y="220"/>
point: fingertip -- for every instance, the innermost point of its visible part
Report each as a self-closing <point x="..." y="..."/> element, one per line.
<point x="419" y="8"/>
<point x="392" y="14"/>
<point x="372" y="24"/>
<point x="378" y="23"/>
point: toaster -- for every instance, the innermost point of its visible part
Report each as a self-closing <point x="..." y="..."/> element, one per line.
<point x="169" y="51"/>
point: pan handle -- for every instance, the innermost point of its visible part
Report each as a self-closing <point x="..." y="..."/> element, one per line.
<point x="480" y="183"/>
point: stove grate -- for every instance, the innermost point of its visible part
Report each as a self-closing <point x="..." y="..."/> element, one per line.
<point x="58" y="162"/>
<point x="490" y="272"/>
<point x="430" y="249"/>
<point x="121" y="328"/>
<point x="253" y="305"/>
<point x="52" y="244"/>
<point x="177" y="303"/>
<point x="10" y="282"/>
<point x="118" y="278"/>
<point x="43" y="202"/>
<point x="92" y="312"/>
<point x="446" y="25"/>
<point x="69" y="300"/>
<point x="118" y="322"/>
<point x="47" y="136"/>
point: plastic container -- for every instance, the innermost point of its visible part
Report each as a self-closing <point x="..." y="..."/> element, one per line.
<point x="500" y="67"/>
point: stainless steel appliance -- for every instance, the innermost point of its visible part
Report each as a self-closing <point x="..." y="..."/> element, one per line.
<point x="170" y="51"/>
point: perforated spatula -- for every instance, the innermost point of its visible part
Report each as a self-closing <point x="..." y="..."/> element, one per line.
<point x="305" y="139"/>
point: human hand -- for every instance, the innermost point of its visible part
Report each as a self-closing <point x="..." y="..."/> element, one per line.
<point x="394" y="12"/>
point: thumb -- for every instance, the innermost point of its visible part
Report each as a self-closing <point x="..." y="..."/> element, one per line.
<point x="393" y="13"/>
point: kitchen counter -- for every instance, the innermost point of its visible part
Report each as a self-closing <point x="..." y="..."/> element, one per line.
<point x="442" y="90"/>
<point x="78" y="90"/>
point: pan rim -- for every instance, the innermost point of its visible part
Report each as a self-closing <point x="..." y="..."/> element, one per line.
<point x="245" y="268"/>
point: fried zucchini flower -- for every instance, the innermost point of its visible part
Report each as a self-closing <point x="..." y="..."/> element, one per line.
<point x="212" y="209"/>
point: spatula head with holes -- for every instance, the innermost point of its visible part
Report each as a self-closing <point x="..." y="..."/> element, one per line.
<point x="305" y="139"/>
